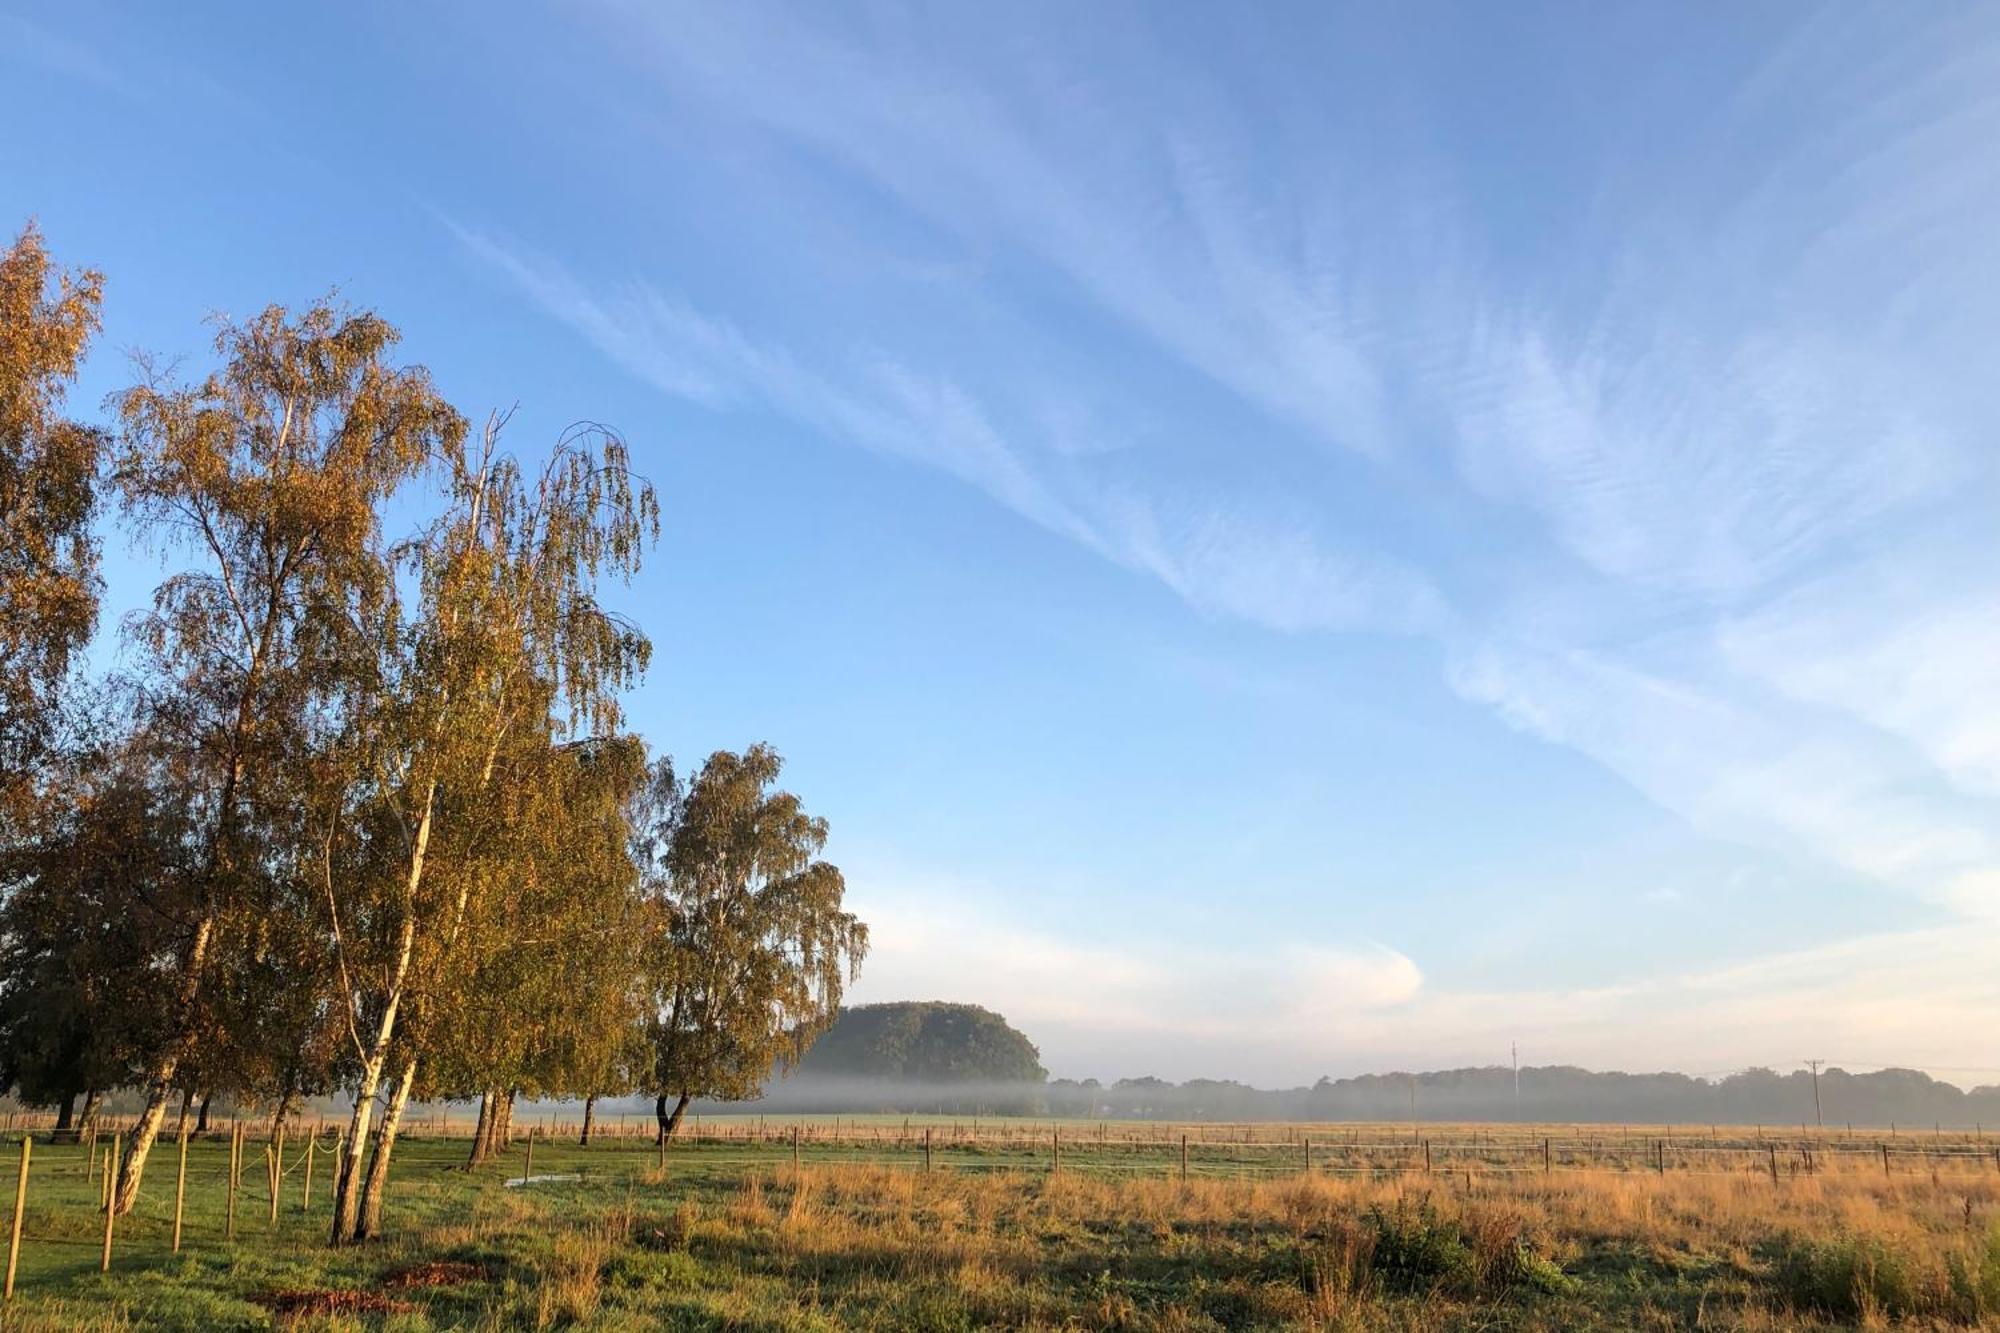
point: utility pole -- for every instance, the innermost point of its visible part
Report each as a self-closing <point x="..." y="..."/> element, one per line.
<point x="1819" y="1116"/>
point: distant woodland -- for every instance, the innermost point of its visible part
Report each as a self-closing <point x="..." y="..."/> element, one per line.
<point x="957" y="1058"/>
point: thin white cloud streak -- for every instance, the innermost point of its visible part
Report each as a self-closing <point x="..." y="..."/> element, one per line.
<point x="885" y="406"/>
<point x="1762" y="448"/>
<point x="1901" y="648"/>
<point x="1738" y="766"/>
<point x="1223" y="561"/>
<point x="1150" y="224"/>
<point x="1688" y="470"/>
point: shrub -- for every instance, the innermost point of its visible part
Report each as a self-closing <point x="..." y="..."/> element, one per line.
<point x="1420" y="1252"/>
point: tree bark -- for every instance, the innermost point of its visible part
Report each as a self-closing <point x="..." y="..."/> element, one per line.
<point x="65" y="1118"/>
<point x="482" y="1133"/>
<point x="673" y="1121"/>
<point x="346" y="1189"/>
<point x="187" y="1108"/>
<point x="287" y="1102"/>
<point x="88" y="1119"/>
<point x="160" y="1078"/>
<point x="589" y="1119"/>
<point x="370" y="1223"/>
<point x="346" y="1193"/>
<point x="201" y="1115"/>
<point x="347" y="1181"/>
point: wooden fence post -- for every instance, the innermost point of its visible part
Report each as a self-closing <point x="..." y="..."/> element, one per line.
<point x="20" y="1207"/>
<point x="1055" y="1164"/>
<point x="180" y="1188"/>
<point x="795" y="1149"/>
<point x="110" y="1210"/>
<point x="1772" y="1149"/>
<point x="235" y="1153"/>
<point x="1427" y="1155"/>
<point x="1306" y="1157"/>
<point x="1885" y="1161"/>
<point x="1660" y="1156"/>
<point x="1183" y="1159"/>
<point x="528" y="1167"/>
<point x="927" y="1148"/>
<point x="306" y="1189"/>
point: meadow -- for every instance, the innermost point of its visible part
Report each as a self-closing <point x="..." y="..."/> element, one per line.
<point x="745" y="1227"/>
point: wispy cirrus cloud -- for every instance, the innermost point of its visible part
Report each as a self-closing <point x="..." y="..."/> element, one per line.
<point x="1705" y="508"/>
<point x="1223" y="560"/>
<point x="1759" y="454"/>
<point x="1145" y="204"/>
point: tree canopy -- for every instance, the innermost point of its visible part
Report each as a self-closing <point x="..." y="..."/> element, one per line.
<point x="363" y="813"/>
<point x="48" y="496"/>
<point x="924" y="1042"/>
<point x="749" y="946"/>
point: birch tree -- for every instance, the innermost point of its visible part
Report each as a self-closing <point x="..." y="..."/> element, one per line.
<point x="48" y="493"/>
<point x="553" y="1002"/>
<point x="506" y="638"/>
<point x="270" y="475"/>
<point x="751" y="947"/>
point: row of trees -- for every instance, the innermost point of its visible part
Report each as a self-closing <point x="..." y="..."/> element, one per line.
<point x="361" y="812"/>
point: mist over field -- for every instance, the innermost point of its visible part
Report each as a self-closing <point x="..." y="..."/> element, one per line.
<point x="1902" y="1097"/>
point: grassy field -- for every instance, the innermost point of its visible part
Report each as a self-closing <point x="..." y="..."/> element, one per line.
<point x="860" y="1236"/>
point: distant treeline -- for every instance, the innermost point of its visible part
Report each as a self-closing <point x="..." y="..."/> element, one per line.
<point x="1903" y="1097"/>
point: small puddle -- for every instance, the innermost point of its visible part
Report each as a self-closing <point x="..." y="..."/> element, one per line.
<point x="517" y="1181"/>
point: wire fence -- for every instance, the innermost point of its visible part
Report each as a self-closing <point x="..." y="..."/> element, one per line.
<point x="278" y="1200"/>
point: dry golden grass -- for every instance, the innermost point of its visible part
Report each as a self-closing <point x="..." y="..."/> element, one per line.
<point x="1681" y="1250"/>
<point x="718" y="1242"/>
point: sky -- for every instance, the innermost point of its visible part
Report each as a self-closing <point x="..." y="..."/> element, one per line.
<point x="1286" y="540"/>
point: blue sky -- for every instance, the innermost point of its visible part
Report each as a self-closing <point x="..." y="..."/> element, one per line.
<point x="1285" y="540"/>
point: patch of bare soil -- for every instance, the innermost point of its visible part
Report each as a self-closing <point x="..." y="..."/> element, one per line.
<point x="435" y="1273"/>
<point x="293" y="1303"/>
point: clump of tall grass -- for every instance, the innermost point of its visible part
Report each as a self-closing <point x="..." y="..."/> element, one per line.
<point x="1420" y="1251"/>
<point x="1877" y="1277"/>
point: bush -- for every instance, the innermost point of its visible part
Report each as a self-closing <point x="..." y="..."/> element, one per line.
<point x="1420" y="1252"/>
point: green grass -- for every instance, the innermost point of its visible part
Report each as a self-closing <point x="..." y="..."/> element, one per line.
<point x="730" y="1238"/>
